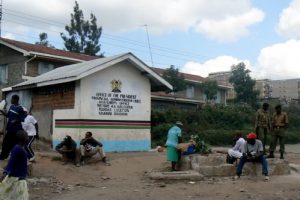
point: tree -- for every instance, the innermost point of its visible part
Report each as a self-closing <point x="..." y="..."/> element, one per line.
<point x="83" y="36"/>
<point x="44" y="40"/>
<point x="210" y="89"/>
<point x="243" y="84"/>
<point x="173" y="76"/>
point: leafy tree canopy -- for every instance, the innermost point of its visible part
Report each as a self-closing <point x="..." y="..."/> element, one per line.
<point x="210" y="89"/>
<point x="82" y="35"/>
<point x="243" y="84"/>
<point x="44" y="40"/>
<point x="173" y="76"/>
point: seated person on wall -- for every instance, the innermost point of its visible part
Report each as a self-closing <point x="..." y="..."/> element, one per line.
<point x="236" y="152"/>
<point x="67" y="148"/>
<point x="89" y="147"/>
<point x="253" y="152"/>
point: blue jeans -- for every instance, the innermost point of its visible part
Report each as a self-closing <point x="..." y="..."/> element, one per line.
<point x="260" y="159"/>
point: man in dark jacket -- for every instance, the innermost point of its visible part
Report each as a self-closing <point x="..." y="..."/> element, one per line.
<point x="67" y="148"/>
<point x="16" y="116"/>
<point x="89" y="147"/>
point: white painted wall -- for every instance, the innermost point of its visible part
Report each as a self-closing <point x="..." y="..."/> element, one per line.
<point x="133" y="83"/>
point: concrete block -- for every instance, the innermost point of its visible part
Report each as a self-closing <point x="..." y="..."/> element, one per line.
<point x="295" y="168"/>
<point x="214" y="165"/>
<point x="185" y="163"/>
<point x="178" y="175"/>
<point x="275" y="167"/>
<point x="220" y="170"/>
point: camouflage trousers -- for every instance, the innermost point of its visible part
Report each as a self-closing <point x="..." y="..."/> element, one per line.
<point x="278" y="135"/>
<point x="262" y="133"/>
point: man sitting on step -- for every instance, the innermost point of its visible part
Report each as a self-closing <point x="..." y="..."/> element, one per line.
<point x="253" y="152"/>
<point x="89" y="147"/>
<point x="236" y="152"/>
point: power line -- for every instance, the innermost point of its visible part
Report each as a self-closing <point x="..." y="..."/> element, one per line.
<point x="146" y="60"/>
<point x="181" y="55"/>
<point x="182" y="58"/>
<point x="23" y="15"/>
<point x="55" y="42"/>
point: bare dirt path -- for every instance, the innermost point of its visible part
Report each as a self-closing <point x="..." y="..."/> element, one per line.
<point x="125" y="180"/>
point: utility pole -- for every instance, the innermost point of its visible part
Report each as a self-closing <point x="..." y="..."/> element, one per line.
<point x="0" y="16"/>
<point x="150" y="51"/>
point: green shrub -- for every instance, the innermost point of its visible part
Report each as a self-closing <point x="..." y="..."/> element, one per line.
<point x="292" y="136"/>
<point x="159" y="134"/>
<point x="200" y="145"/>
<point x="216" y="124"/>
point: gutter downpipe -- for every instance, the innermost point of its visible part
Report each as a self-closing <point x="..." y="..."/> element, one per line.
<point x="27" y="61"/>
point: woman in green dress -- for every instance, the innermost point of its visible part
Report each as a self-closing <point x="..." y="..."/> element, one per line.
<point x="174" y="138"/>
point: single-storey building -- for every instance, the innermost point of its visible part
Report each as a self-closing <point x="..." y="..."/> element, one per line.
<point x="111" y="97"/>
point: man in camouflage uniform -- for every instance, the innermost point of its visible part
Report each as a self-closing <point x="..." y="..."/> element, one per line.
<point x="263" y="124"/>
<point x="279" y="126"/>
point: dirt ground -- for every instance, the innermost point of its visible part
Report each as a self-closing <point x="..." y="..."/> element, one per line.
<point x="126" y="179"/>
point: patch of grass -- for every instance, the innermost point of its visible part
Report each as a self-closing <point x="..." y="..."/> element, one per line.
<point x="56" y="158"/>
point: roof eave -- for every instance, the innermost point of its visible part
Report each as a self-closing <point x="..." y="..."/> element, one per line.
<point x="225" y="87"/>
<point x="44" y="55"/>
<point x="150" y="73"/>
<point x="170" y="98"/>
<point x="7" y="89"/>
<point x="14" y="47"/>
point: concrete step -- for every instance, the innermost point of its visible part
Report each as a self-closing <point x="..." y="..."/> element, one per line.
<point x="177" y="175"/>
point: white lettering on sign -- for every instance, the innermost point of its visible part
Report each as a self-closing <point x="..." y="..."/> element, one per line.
<point x="115" y="103"/>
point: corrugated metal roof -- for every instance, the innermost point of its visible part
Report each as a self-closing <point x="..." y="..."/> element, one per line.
<point x="187" y="77"/>
<point x="77" y="71"/>
<point x="35" y="48"/>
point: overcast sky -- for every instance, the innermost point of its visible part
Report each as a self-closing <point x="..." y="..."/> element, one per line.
<point x="198" y="36"/>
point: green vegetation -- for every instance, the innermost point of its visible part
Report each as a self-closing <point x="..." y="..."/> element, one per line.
<point x="82" y="35"/>
<point x="173" y="76"/>
<point x="243" y="85"/>
<point x="216" y="124"/>
<point x="210" y="89"/>
<point x="200" y="145"/>
<point x="44" y="40"/>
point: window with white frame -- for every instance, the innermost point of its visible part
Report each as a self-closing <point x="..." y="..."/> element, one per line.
<point x="44" y="67"/>
<point x="3" y="74"/>
<point x="190" y="91"/>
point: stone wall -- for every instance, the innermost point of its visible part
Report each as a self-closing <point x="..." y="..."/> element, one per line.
<point x="54" y="97"/>
<point x="15" y="62"/>
<point x="215" y="165"/>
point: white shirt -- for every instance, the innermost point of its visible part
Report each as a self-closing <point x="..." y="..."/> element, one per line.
<point x="28" y="125"/>
<point x="239" y="145"/>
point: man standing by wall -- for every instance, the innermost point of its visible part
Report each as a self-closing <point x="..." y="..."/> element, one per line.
<point x="279" y="126"/>
<point x="263" y="124"/>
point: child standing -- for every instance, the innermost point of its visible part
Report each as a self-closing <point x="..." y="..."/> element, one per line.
<point x="14" y="185"/>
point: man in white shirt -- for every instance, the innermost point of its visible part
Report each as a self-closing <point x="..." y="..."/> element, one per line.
<point x="236" y="151"/>
<point x="30" y="125"/>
